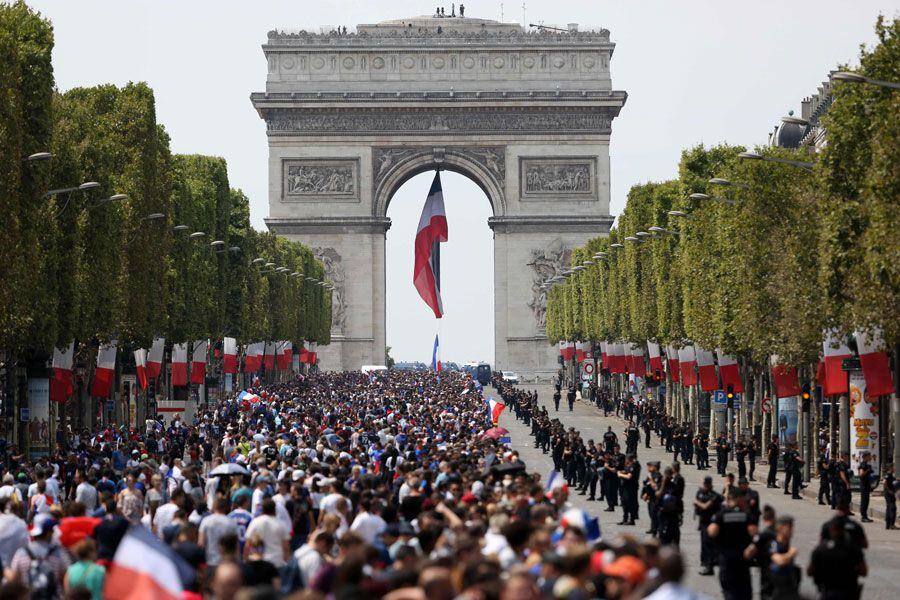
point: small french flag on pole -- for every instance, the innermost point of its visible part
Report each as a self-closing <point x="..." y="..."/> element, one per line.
<point x="436" y="355"/>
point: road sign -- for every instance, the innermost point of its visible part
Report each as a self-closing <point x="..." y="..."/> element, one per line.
<point x="719" y="397"/>
<point x="587" y="370"/>
<point x="766" y="405"/>
<point x="24" y="414"/>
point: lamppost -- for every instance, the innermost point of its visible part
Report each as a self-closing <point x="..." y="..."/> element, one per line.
<point x="857" y="78"/>
<point x="800" y="164"/>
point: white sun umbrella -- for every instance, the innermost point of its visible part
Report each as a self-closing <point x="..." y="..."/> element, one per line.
<point x="229" y="469"/>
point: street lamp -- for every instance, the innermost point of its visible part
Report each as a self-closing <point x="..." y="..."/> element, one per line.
<point x="727" y="183"/>
<point x="234" y="249"/>
<point x="153" y="217"/>
<point x="631" y="238"/>
<point x="180" y="228"/>
<point x="700" y="196"/>
<point x="217" y="243"/>
<point x="588" y="263"/>
<point x="617" y="245"/>
<point x="661" y="231"/>
<point x="269" y="265"/>
<point x="256" y="261"/>
<point x="87" y="185"/>
<point x="800" y="164"/>
<point x="114" y="198"/>
<point x="857" y="78"/>
<point x="38" y="157"/>
<point x="643" y="234"/>
<point x="679" y="214"/>
<point x="196" y="235"/>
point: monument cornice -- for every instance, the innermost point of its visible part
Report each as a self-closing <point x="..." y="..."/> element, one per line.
<point x="596" y="225"/>
<point x="327" y="225"/>
<point x="442" y="121"/>
<point x="278" y="40"/>
<point x="283" y="99"/>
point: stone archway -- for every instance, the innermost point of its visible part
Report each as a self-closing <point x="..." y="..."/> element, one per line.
<point x="527" y="116"/>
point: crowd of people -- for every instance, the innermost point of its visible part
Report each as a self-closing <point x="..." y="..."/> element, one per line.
<point x="388" y="485"/>
<point x="736" y="531"/>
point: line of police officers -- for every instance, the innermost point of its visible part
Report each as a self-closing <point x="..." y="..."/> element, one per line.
<point x="735" y="532"/>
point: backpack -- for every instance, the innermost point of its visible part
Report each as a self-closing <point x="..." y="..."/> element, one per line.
<point x="41" y="577"/>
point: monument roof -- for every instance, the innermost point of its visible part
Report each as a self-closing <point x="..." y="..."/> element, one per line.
<point x="432" y="23"/>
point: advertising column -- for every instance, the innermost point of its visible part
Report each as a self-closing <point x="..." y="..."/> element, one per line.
<point x="864" y="423"/>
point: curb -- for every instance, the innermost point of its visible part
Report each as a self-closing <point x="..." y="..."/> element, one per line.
<point x="876" y="508"/>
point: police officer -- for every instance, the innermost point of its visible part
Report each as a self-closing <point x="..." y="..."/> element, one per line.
<point x="632" y="437"/>
<point x="864" y="471"/>
<point x="570" y="397"/>
<point x="797" y="476"/>
<point x="670" y="510"/>
<point x="557" y="396"/>
<point x="650" y="493"/>
<point x="752" y="450"/>
<point x="707" y="503"/>
<point x="772" y="456"/>
<point x="788" y="457"/>
<point x="722" y="450"/>
<point x="647" y="426"/>
<point x="733" y="529"/>
<point x="741" y="452"/>
<point x="611" y="478"/>
<point x="889" y="487"/>
<point x="629" y="476"/>
<point x="824" y="466"/>
<point x="687" y="446"/>
<point x="610" y="439"/>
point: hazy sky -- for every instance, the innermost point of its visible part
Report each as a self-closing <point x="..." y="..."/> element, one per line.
<point x="695" y="71"/>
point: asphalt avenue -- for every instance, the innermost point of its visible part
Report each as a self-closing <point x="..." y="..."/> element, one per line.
<point x="883" y="555"/>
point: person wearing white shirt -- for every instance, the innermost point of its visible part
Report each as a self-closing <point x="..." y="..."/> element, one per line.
<point x="368" y="524"/>
<point x="165" y="514"/>
<point x="259" y="494"/>
<point x="9" y="489"/>
<point x="274" y="535"/>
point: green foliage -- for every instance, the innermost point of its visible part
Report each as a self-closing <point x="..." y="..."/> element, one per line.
<point x="82" y="266"/>
<point x="860" y="171"/>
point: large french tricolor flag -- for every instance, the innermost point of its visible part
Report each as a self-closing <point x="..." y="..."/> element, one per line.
<point x="140" y="366"/>
<point x="179" y="365"/>
<point x="61" y="386"/>
<point x="144" y="568"/>
<point x="269" y="356"/>
<point x="105" y="372"/>
<point x="580" y="351"/>
<point x="706" y="364"/>
<point x="834" y="380"/>
<point x="436" y="355"/>
<point x="155" y="357"/>
<point x="730" y="372"/>
<point x="785" y="379"/>
<point x="687" y="360"/>
<point x="431" y="232"/>
<point x="875" y="363"/>
<point x="198" y="362"/>
<point x="674" y="365"/>
<point x="617" y="358"/>
<point x="653" y="352"/>
<point x="229" y="350"/>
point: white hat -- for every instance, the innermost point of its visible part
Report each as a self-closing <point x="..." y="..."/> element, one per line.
<point x="298" y="474"/>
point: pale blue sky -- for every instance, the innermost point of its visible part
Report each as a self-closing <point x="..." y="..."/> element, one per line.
<point x="695" y="71"/>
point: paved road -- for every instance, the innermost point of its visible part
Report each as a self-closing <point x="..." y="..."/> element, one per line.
<point x="883" y="555"/>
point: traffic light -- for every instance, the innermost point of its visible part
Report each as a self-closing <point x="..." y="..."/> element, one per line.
<point x="804" y="397"/>
<point x="729" y="395"/>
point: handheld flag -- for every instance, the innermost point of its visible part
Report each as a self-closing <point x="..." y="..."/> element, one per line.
<point x="495" y="408"/>
<point x="145" y="568"/>
<point x="436" y="355"/>
<point x="431" y="233"/>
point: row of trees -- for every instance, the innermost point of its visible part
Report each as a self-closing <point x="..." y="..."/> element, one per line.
<point x="88" y="265"/>
<point x="796" y="253"/>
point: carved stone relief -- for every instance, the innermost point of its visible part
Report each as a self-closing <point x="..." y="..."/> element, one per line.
<point x="334" y="272"/>
<point x="567" y="177"/>
<point x="546" y="263"/>
<point x="313" y="180"/>
<point x="288" y="122"/>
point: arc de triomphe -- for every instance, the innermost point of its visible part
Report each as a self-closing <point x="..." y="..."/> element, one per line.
<point x="526" y="115"/>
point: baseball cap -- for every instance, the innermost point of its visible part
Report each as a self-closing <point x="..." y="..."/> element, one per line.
<point x="629" y="568"/>
<point x="42" y="523"/>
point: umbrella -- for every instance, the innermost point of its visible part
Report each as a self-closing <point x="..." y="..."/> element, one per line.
<point x="229" y="469"/>
<point x="495" y="433"/>
<point x="507" y="468"/>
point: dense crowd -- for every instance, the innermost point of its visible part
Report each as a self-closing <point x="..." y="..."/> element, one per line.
<point x="394" y="485"/>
